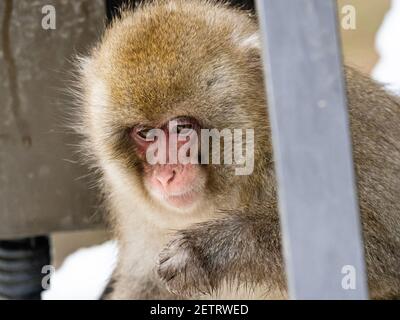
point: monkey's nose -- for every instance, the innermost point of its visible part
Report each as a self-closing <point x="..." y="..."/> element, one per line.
<point x="165" y="177"/>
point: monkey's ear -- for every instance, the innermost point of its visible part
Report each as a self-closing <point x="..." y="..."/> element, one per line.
<point x="250" y="42"/>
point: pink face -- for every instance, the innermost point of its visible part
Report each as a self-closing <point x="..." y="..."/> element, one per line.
<point x="172" y="182"/>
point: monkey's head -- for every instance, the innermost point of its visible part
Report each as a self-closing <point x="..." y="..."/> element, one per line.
<point x="186" y="63"/>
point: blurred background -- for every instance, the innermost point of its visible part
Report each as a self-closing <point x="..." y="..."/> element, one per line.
<point x="38" y="160"/>
<point x="359" y="48"/>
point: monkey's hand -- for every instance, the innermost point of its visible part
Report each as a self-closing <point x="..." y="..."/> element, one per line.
<point x="242" y="247"/>
<point x="180" y="267"/>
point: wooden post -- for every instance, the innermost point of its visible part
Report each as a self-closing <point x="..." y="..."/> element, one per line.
<point x="310" y="131"/>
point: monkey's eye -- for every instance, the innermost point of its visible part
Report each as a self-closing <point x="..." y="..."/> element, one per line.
<point x="184" y="128"/>
<point x="141" y="132"/>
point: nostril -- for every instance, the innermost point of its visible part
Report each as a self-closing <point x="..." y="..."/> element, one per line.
<point x="172" y="176"/>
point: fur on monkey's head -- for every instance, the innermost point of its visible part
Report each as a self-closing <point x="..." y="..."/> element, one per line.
<point x="175" y="58"/>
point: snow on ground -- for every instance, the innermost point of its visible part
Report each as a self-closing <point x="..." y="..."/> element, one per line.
<point x="387" y="70"/>
<point x="84" y="273"/>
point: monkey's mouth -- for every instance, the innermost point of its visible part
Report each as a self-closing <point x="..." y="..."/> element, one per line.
<point x="184" y="200"/>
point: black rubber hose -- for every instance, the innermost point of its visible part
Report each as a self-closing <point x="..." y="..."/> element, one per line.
<point x="21" y="264"/>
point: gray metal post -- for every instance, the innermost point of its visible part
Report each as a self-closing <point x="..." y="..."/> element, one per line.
<point x="307" y="105"/>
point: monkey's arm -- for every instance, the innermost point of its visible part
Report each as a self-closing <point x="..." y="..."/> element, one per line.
<point x="239" y="246"/>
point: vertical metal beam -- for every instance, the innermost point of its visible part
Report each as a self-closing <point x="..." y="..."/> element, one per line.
<point x="307" y="106"/>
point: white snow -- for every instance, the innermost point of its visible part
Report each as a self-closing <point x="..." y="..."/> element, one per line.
<point x="84" y="274"/>
<point x="387" y="70"/>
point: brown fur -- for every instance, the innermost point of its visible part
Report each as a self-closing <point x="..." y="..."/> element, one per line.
<point x="200" y="59"/>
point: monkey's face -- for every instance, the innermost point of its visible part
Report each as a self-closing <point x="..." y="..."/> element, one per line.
<point x="169" y="161"/>
<point x="198" y="72"/>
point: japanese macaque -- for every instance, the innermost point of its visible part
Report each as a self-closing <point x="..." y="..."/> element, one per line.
<point x="188" y="230"/>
